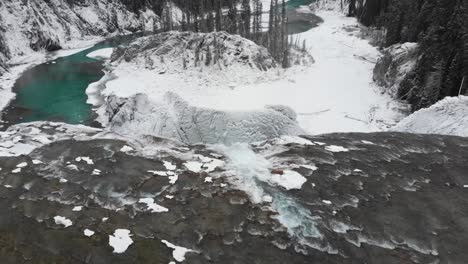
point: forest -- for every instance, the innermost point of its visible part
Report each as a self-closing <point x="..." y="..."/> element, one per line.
<point x="441" y="29"/>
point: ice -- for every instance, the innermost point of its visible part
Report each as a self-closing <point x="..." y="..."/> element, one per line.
<point x="289" y="179"/>
<point x="88" y="160"/>
<point x="126" y="149"/>
<point x="334" y="148"/>
<point x="209" y="179"/>
<point x="88" y="232"/>
<point x="121" y="240"/>
<point x="102" y="54"/>
<point x="194" y="166"/>
<point x="17" y="170"/>
<point x="60" y="220"/>
<point x="72" y="167"/>
<point x="170" y="116"/>
<point x="155" y="208"/>
<point x="77" y="208"/>
<point x="178" y="252"/>
<point x="283" y="140"/>
<point x="169" y="166"/>
<point x="310" y="167"/>
<point x="22" y="165"/>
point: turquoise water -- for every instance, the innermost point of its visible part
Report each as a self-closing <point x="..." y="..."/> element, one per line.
<point x="298" y="3"/>
<point x="55" y="90"/>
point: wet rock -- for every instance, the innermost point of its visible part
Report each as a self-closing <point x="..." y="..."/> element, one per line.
<point x="386" y="200"/>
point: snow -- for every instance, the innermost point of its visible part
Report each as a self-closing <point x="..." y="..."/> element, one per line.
<point x="88" y="160"/>
<point x="101" y="54"/>
<point x="22" y="165"/>
<point x="447" y="117"/>
<point x="209" y="179"/>
<point x="88" y="232"/>
<point x="77" y="208"/>
<point x="336" y="94"/>
<point x="60" y="220"/>
<point x="283" y="140"/>
<point x="37" y="162"/>
<point x="289" y="179"/>
<point x="155" y="208"/>
<point x="126" y="149"/>
<point x="121" y="240"/>
<point x="310" y="167"/>
<point x="327" y="202"/>
<point x="194" y="166"/>
<point x="178" y="252"/>
<point x="169" y="166"/>
<point x="334" y="148"/>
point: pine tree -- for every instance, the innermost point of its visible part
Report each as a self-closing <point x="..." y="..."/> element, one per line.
<point x="208" y="57"/>
<point x="218" y="17"/>
<point x="246" y="12"/>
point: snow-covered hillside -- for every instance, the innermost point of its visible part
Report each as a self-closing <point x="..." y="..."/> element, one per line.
<point x="36" y="25"/>
<point x="447" y="117"/>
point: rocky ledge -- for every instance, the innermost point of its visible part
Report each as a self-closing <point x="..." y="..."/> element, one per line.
<point x="83" y="195"/>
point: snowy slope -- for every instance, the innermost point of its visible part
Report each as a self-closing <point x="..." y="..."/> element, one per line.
<point x="448" y="117"/>
<point x="49" y="25"/>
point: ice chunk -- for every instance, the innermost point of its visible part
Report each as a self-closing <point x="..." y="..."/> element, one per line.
<point x="88" y="232"/>
<point x="126" y="149"/>
<point x="121" y="240"/>
<point x="155" y="208"/>
<point x="77" y="208"/>
<point x="334" y="148"/>
<point x="88" y="160"/>
<point x="178" y="253"/>
<point x="60" y="220"/>
<point x="101" y="54"/>
<point x="288" y="179"/>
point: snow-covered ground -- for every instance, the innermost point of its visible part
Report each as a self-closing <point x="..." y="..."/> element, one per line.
<point x="447" y="117"/>
<point x="336" y="94"/>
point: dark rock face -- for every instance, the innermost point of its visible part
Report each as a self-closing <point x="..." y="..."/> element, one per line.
<point x="386" y="198"/>
<point x="397" y="62"/>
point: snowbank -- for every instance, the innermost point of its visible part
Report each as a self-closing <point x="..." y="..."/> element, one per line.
<point x="447" y="117"/>
<point x="102" y="54"/>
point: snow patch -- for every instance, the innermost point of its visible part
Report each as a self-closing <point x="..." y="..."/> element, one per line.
<point x="121" y="240"/>
<point x="178" y="252"/>
<point x="60" y="220"/>
<point x="155" y="208"/>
